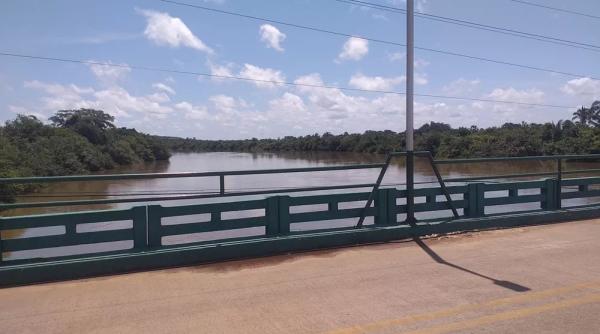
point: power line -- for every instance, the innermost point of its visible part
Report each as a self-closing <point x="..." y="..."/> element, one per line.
<point x="556" y="9"/>
<point x="480" y="26"/>
<point x="286" y="83"/>
<point x="337" y="33"/>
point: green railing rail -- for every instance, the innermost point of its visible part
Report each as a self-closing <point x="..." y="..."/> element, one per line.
<point x="164" y="235"/>
<point x="150" y="176"/>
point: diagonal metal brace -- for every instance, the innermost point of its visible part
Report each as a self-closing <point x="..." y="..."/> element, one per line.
<point x="374" y="190"/>
<point x="442" y="184"/>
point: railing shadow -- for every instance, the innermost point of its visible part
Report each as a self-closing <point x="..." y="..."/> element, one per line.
<point x="505" y="284"/>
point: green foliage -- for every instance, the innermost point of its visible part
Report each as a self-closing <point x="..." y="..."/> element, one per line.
<point x="89" y="123"/>
<point x="79" y="142"/>
<point x="510" y="139"/>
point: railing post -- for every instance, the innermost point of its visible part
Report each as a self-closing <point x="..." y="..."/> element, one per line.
<point x="154" y="226"/>
<point x="284" y="214"/>
<point x="559" y="184"/>
<point x="381" y="202"/>
<point x="140" y="227"/>
<point x="475" y="197"/>
<point x="392" y="207"/>
<point x="549" y="192"/>
<point x="222" y="184"/>
<point x="277" y="214"/>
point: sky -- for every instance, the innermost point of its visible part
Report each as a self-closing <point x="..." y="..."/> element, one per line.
<point x="156" y="34"/>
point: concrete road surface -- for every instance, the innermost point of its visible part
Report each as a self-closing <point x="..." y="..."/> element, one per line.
<point x="543" y="279"/>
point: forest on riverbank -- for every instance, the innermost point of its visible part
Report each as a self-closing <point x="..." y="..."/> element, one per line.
<point x="76" y="142"/>
<point x="577" y="136"/>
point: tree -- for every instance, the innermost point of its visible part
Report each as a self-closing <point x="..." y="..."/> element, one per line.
<point x="595" y="114"/>
<point x="582" y="116"/>
<point x="24" y="127"/>
<point x="70" y="118"/>
<point x="89" y="123"/>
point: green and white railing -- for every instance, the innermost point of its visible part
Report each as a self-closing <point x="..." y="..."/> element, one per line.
<point x="285" y="220"/>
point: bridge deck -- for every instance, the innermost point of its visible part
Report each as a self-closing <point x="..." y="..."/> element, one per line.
<point x="534" y="279"/>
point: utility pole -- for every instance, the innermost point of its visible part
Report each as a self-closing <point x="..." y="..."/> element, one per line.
<point x="410" y="158"/>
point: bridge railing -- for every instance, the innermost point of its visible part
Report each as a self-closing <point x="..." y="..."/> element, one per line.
<point x="221" y="175"/>
<point x="150" y="227"/>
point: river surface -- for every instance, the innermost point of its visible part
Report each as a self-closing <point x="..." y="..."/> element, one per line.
<point x="200" y="162"/>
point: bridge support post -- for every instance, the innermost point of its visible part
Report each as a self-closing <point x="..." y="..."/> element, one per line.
<point x="277" y="214"/>
<point x="154" y="226"/>
<point x="140" y="227"/>
<point x="475" y="197"/>
<point x="381" y="216"/>
<point x="550" y="195"/>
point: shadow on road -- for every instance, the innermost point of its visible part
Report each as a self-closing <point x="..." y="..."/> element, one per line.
<point x="505" y="284"/>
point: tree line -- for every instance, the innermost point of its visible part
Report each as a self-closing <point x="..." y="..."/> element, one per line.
<point x="76" y="142"/>
<point x="579" y="135"/>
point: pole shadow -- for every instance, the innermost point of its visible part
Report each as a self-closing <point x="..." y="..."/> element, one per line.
<point x="505" y="284"/>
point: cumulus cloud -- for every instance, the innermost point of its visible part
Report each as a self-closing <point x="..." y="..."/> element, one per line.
<point x="227" y="103"/>
<point x="164" y="88"/>
<point x="220" y="71"/>
<point x="272" y="37"/>
<point x="461" y="87"/>
<point x="583" y="87"/>
<point x="115" y="100"/>
<point x="191" y="111"/>
<point x="109" y="73"/>
<point x="268" y="78"/>
<point x="166" y="30"/>
<point x="375" y="83"/>
<point x="532" y="95"/>
<point x="354" y="49"/>
<point x="288" y="102"/>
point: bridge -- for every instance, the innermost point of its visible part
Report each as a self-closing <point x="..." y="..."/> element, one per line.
<point x="408" y="280"/>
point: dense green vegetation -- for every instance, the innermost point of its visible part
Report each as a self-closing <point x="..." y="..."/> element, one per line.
<point x="582" y="135"/>
<point x="77" y="142"/>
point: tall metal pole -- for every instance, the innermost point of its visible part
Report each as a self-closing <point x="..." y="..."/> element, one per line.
<point x="410" y="158"/>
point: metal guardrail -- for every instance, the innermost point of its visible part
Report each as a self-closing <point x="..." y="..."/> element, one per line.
<point x="150" y="176"/>
<point x="277" y="218"/>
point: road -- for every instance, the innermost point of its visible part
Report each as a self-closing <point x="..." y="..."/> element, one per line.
<point x="542" y="279"/>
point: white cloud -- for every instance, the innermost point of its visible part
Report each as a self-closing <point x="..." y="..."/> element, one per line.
<point x="164" y="88"/>
<point x="164" y="29"/>
<point x="401" y="56"/>
<point x="272" y="37"/>
<point x="532" y="95"/>
<point x="110" y="73"/>
<point x="24" y="111"/>
<point x="461" y="87"/>
<point x="354" y="49"/>
<point x="115" y="100"/>
<point x="288" y="102"/>
<point x="227" y="103"/>
<point x="266" y="76"/>
<point x="297" y="111"/>
<point x="375" y="83"/>
<point x="192" y="112"/>
<point x="397" y="56"/>
<point x="222" y="71"/>
<point x="586" y="88"/>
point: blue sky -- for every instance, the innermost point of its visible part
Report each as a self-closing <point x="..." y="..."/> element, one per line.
<point x="162" y="35"/>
